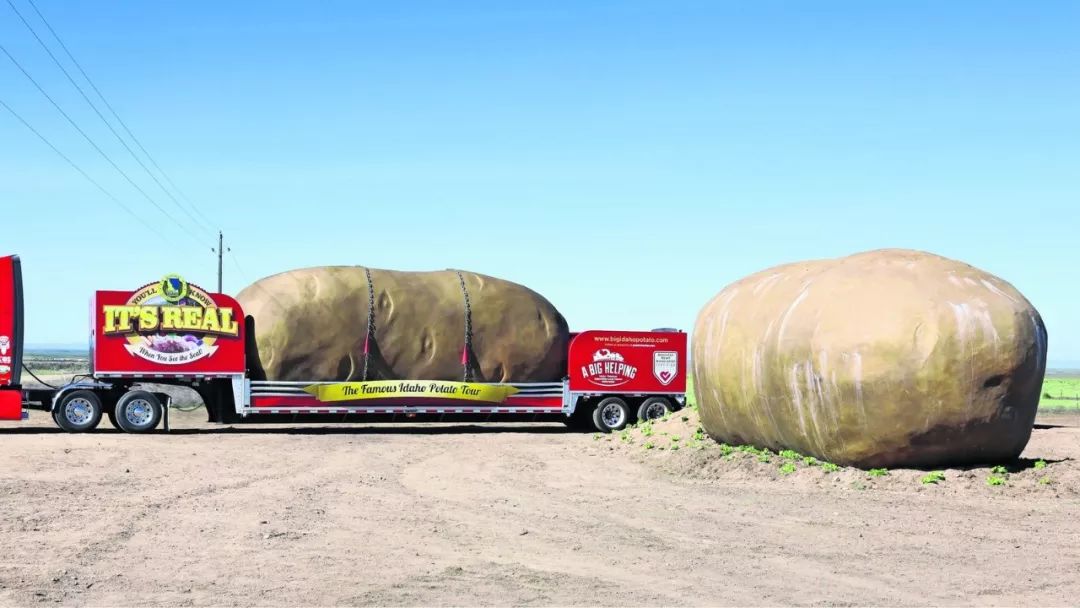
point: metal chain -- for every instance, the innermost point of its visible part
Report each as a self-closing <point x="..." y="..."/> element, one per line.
<point x="370" y="321"/>
<point x="468" y="328"/>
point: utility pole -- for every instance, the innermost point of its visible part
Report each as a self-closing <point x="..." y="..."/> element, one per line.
<point x="220" y="253"/>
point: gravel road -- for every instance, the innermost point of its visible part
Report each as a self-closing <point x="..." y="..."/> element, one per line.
<point x="492" y="515"/>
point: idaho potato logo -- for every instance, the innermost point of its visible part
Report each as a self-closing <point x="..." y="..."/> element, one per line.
<point x="173" y="288"/>
<point x="171" y="322"/>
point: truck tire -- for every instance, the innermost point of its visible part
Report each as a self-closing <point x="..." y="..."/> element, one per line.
<point x="138" y="412"/>
<point x="653" y="408"/>
<point x="78" y="411"/>
<point x="611" y="414"/>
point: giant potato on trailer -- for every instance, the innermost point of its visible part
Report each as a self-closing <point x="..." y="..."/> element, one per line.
<point x="313" y="324"/>
<point x="410" y="350"/>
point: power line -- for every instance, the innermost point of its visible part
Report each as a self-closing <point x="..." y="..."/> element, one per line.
<point x="79" y="169"/>
<point x="94" y="145"/>
<point x="93" y="107"/>
<point x="114" y="114"/>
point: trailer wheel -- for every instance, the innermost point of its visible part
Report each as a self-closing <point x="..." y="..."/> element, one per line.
<point x="138" y="412"/>
<point x="611" y="414"/>
<point x="78" y="411"/>
<point x="653" y="408"/>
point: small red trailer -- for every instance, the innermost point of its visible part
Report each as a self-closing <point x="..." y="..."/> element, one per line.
<point x="174" y="332"/>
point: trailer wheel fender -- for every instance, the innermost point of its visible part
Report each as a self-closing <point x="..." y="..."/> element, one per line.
<point x="138" y="412"/>
<point x="78" y="411"/>
<point x="653" y="408"/>
<point x="611" y="414"/>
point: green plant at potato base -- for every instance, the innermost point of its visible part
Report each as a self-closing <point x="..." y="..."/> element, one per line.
<point x="933" y="478"/>
<point x="1045" y="480"/>
<point x="995" y="480"/>
<point x="675" y="438"/>
<point x="877" y="472"/>
<point x="726" y="451"/>
<point x="829" y="467"/>
<point x="999" y="470"/>
<point x="810" y="461"/>
<point x="790" y="455"/>
<point x="763" y="454"/>
<point x="1040" y="464"/>
<point x="787" y="468"/>
<point x="648" y="445"/>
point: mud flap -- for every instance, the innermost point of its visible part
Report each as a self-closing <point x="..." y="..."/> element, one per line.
<point x="11" y="405"/>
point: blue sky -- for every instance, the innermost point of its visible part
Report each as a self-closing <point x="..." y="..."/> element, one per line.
<point x="626" y="159"/>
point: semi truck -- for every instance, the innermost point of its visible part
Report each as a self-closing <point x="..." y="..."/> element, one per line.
<point x="171" y="332"/>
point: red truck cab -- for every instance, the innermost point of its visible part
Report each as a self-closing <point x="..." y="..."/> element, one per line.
<point x="11" y="338"/>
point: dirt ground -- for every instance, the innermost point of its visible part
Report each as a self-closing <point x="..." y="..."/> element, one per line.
<point x="510" y="514"/>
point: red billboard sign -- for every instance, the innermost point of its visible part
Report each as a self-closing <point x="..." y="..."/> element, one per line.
<point x="628" y="362"/>
<point x="168" y="327"/>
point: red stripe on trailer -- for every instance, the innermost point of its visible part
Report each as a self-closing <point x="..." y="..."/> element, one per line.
<point x="269" y="401"/>
<point x="545" y="402"/>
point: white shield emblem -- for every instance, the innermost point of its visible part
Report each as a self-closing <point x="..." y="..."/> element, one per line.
<point x="665" y="366"/>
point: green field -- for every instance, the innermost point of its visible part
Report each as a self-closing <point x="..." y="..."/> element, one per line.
<point x="1060" y="392"/>
<point x="57" y="363"/>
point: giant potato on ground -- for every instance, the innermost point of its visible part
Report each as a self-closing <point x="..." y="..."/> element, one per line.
<point x="884" y="358"/>
<point x="310" y="324"/>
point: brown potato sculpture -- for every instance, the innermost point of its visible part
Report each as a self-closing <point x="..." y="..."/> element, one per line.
<point x="311" y="324"/>
<point x="880" y="359"/>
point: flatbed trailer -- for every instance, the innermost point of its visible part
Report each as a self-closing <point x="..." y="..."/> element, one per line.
<point x="171" y="332"/>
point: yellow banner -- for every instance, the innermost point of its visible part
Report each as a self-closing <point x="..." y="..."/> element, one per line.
<point x="398" y="389"/>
